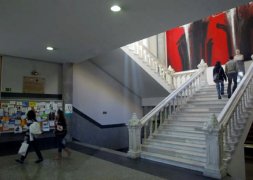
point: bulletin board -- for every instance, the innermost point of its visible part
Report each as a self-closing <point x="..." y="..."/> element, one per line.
<point x="13" y="114"/>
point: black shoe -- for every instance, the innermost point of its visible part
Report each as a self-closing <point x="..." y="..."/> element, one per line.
<point x="39" y="160"/>
<point x="229" y="97"/>
<point x="222" y="93"/>
<point x="19" y="161"/>
<point x="219" y="97"/>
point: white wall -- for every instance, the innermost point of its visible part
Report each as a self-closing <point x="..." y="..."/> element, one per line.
<point x="95" y="92"/>
<point x="14" y="69"/>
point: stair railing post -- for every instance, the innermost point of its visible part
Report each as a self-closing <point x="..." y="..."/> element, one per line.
<point x="203" y="66"/>
<point x="214" y="149"/>
<point x="170" y="73"/>
<point x="134" y="129"/>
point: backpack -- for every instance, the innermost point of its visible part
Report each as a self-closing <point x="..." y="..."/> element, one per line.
<point x="35" y="128"/>
<point x="216" y="76"/>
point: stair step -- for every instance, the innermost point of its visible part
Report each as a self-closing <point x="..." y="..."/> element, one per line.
<point x="213" y="95"/>
<point x="186" y="119"/>
<point x="185" y="116"/>
<point x="184" y="133"/>
<point x="207" y="98"/>
<point x="177" y="145"/>
<point x="202" y="109"/>
<point x="194" y="140"/>
<point x="181" y="130"/>
<point x="182" y="126"/>
<point x="184" y="163"/>
<point x="186" y="122"/>
<point x="204" y="102"/>
<point x="175" y="153"/>
<point x="185" y="127"/>
<point x="198" y="114"/>
<point x="206" y="105"/>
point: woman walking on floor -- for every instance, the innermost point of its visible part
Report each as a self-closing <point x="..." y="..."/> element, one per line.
<point x="31" y="139"/>
<point x="60" y="133"/>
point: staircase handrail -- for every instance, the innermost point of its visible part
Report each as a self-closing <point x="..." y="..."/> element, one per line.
<point x="227" y="111"/>
<point x="185" y="72"/>
<point x="224" y="132"/>
<point x="170" y="97"/>
<point x="151" y="53"/>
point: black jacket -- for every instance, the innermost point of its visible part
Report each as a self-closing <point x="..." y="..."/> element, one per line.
<point x="220" y="70"/>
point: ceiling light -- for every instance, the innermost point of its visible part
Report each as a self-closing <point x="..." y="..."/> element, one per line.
<point x="115" y="8"/>
<point x="49" y="48"/>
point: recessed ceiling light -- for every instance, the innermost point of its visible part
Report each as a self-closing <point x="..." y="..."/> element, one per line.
<point x="115" y="8"/>
<point x="49" y="48"/>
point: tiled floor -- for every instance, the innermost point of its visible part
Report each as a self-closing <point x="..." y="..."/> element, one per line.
<point x="78" y="166"/>
<point x="88" y="163"/>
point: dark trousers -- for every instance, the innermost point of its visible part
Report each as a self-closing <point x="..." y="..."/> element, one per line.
<point x="231" y="76"/>
<point x="60" y="143"/>
<point x="34" y="145"/>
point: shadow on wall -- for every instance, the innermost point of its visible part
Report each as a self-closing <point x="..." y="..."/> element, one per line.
<point x="87" y="130"/>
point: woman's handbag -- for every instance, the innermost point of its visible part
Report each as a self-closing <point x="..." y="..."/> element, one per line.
<point x="35" y="128"/>
<point x="216" y="77"/>
<point x="23" y="148"/>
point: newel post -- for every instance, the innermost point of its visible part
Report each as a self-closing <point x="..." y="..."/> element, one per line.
<point x="214" y="149"/>
<point x="203" y="66"/>
<point x="170" y="74"/>
<point x="134" y="130"/>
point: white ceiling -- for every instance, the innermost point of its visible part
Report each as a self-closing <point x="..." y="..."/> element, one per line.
<point x="81" y="29"/>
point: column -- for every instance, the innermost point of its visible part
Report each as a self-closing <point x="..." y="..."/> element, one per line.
<point x="67" y="92"/>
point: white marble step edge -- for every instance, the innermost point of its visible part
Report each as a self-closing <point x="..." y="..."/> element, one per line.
<point x="202" y="109"/>
<point x="184" y="163"/>
<point x="186" y="118"/>
<point x="199" y="127"/>
<point x="195" y="140"/>
<point x="176" y="145"/>
<point x="174" y="133"/>
<point x="190" y="155"/>
<point x="197" y="100"/>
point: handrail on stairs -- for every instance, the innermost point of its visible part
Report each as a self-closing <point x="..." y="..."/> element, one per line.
<point x="153" y="64"/>
<point x="178" y="91"/>
<point x="171" y="104"/>
<point x="223" y="132"/>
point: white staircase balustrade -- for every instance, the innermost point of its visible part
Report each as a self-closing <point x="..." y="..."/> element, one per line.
<point x="223" y="133"/>
<point x="151" y="64"/>
<point x="180" y="77"/>
<point x="163" y="111"/>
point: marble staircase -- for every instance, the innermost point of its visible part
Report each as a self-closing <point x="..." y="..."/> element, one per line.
<point x="180" y="139"/>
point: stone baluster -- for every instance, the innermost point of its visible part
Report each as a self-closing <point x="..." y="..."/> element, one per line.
<point x="156" y="121"/>
<point x="214" y="149"/>
<point x="135" y="48"/>
<point x="134" y="130"/>
<point x="145" y="131"/>
<point x="151" y="127"/>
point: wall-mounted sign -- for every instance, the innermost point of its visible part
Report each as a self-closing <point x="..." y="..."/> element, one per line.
<point x="33" y="84"/>
<point x="68" y="108"/>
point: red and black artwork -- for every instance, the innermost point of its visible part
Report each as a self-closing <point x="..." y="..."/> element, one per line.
<point x="214" y="38"/>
